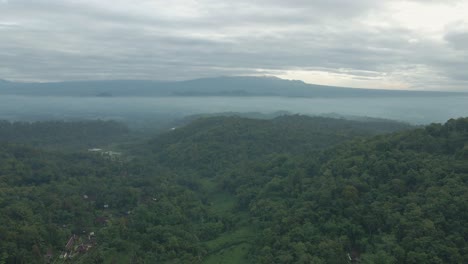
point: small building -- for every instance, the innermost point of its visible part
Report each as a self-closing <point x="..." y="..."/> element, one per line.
<point x="101" y="220"/>
<point x="70" y="242"/>
<point x="94" y="150"/>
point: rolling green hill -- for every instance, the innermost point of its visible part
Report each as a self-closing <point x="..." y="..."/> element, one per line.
<point x="213" y="144"/>
<point x="70" y="135"/>
<point x="293" y="189"/>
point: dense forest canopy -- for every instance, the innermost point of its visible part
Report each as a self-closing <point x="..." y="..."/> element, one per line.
<point x="293" y="189"/>
<point x="58" y="134"/>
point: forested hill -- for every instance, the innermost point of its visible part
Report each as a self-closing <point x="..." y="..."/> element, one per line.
<point x="399" y="198"/>
<point x="293" y="189"/>
<point x="213" y="143"/>
<point x="76" y="135"/>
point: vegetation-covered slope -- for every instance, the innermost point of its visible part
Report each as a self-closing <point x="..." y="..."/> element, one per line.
<point x="63" y="135"/>
<point x="400" y="198"/>
<point x="232" y="190"/>
<point x="212" y="144"/>
<point x="115" y="211"/>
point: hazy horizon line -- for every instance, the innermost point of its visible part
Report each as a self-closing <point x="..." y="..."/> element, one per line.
<point x="220" y="77"/>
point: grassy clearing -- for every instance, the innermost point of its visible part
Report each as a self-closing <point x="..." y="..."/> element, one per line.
<point x="221" y="202"/>
<point x="231" y="247"/>
<point x="232" y="255"/>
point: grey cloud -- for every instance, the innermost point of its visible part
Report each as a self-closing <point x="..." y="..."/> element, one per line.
<point x="459" y="40"/>
<point x="330" y="7"/>
<point x="60" y="40"/>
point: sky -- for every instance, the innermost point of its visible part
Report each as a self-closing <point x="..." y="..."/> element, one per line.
<point x="385" y="44"/>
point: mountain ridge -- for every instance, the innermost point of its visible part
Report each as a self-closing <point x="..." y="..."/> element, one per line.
<point x="216" y="86"/>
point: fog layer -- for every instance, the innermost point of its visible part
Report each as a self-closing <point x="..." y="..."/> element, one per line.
<point x="139" y="109"/>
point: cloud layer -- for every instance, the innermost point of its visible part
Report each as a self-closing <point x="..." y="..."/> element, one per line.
<point x="360" y="43"/>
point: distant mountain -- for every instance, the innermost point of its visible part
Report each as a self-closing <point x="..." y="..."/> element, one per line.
<point x="220" y="86"/>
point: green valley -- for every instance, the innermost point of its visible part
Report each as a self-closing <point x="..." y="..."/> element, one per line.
<point x="228" y="189"/>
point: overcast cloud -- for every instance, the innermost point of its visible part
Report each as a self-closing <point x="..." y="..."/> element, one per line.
<point x="421" y="45"/>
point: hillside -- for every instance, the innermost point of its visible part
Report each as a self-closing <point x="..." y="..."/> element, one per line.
<point x="71" y="135"/>
<point x="212" y="144"/>
<point x="399" y="198"/>
<point x="293" y="189"/>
